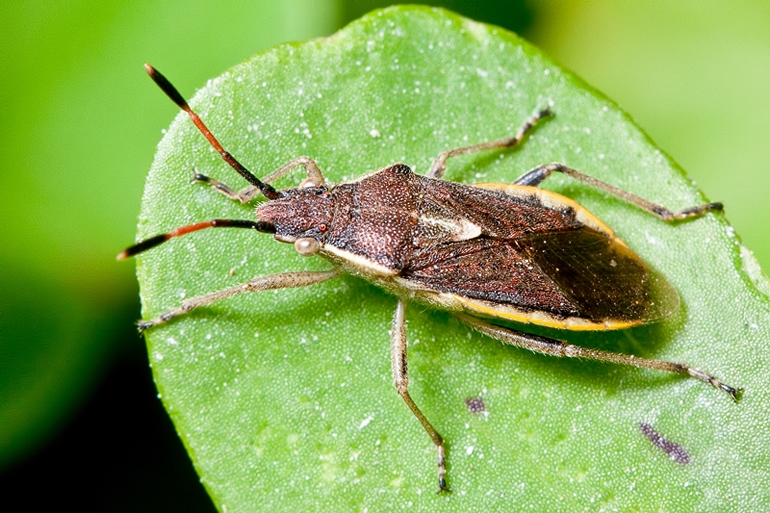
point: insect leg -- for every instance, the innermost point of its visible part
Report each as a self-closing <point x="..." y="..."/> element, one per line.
<point x="401" y="381"/>
<point x="244" y="195"/>
<point x="540" y="173"/>
<point x="439" y="165"/>
<point x="314" y="176"/>
<point x="314" y="179"/>
<point x="274" y="281"/>
<point x="560" y="348"/>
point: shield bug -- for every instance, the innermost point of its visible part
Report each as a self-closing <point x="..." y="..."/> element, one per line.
<point x="488" y="252"/>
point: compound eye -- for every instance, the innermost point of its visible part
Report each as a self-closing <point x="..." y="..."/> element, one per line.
<point x="307" y="246"/>
<point x="308" y="183"/>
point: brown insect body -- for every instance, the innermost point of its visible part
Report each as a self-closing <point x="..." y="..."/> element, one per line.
<point x="499" y="251"/>
<point x="502" y="251"/>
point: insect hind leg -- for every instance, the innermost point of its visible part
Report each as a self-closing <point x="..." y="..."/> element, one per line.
<point x="540" y="173"/>
<point x="553" y="347"/>
<point x="401" y="381"/>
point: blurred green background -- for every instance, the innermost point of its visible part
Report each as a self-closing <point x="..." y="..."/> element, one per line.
<point x="80" y="121"/>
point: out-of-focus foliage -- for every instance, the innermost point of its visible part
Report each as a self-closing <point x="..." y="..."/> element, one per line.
<point x="514" y="15"/>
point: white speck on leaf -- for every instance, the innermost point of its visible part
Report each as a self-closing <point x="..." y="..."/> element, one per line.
<point x="366" y="421"/>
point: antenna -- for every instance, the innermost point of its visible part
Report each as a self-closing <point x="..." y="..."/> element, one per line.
<point x="139" y="247"/>
<point x="171" y="92"/>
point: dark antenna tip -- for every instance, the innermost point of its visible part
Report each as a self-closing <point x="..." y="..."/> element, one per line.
<point x="166" y="87"/>
<point x="144" y="246"/>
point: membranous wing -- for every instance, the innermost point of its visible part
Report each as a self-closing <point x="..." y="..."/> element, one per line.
<point x="531" y="255"/>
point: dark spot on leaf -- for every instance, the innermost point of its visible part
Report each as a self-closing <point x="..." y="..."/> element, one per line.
<point x="475" y="405"/>
<point x="674" y="451"/>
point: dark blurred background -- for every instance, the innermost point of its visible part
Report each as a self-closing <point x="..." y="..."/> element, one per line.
<point x="80" y="422"/>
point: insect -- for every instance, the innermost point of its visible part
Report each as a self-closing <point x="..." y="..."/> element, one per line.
<point x="486" y="252"/>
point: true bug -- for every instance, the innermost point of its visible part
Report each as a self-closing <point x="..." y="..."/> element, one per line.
<point x="512" y="252"/>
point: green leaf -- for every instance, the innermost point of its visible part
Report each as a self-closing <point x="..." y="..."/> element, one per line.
<point x="284" y="399"/>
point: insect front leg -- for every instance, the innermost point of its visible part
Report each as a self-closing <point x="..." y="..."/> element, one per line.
<point x="314" y="179"/>
<point x="560" y="348"/>
<point x="439" y="165"/>
<point x="401" y="381"/>
<point x="540" y="173"/>
<point x="273" y="281"/>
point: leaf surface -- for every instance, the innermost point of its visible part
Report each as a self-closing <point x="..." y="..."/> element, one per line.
<point x="285" y="398"/>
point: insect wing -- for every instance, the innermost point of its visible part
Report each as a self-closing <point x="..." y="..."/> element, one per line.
<point x="604" y="279"/>
<point x="554" y="265"/>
